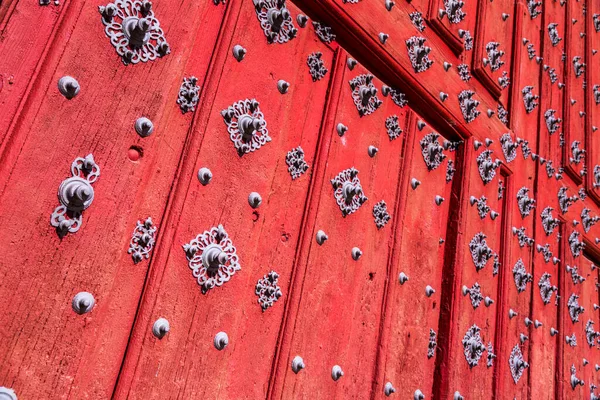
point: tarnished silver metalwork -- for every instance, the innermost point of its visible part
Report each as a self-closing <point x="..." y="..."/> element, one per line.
<point x="571" y="340"/>
<point x="393" y="127"/>
<point x="83" y="303"/>
<point x="482" y="208"/>
<point x="432" y="343"/>
<point x="297" y="364"/>
<point x="523" y="238"/>
<point x="534" y="8"/>
<point x="524" y="148"/>
<point x="68" y="87"/>
<point x="418" y="53"/>
<point x="160" y="328"/>
<point x="545" y="250"/>
<point x="188" y="94"/>
<point x="553" y="33"/>
<point x="546" y="288"/>
<point x="275" y="20"/>
<point x="494" y="56"/>
<point x="467" y="39"/>
<point x="578" y="66"/>
<point x="521" y="276"/>
<point x="212" y="257"/>
<point x="509" y="147"/>
<point x="450" y="170"/>
<point x="316" y="67"/>
<point x="324" y="32"/>
<point x="142" y="240"/>
<point x="432" y="151"/>
<point x="296" y="163"/>
<point x="143" y="126"/>
<point x="552" y="75"/>
<point x="221" y="340"/>
<point x="239" y="52"/>
<point x="529" y="99"/>
<point x="453" y="9"/>
<point x="487" y="167"/>
<point x="496" y="265"/>
<point x="336" y="372"/>
<point x="490" y="355"/>
<point x="504" y="80"/>
<point x="348" y="191"/>
<point x="364" y="94"/>
<point x="267" y="290"/>
<point x="480" y="252"/>
<point x="596" y="89"/>
<point x="574" y="308"/>
<point x="8" y="393"/>
<point x="552" y="123"/>
<point x="134" y="31"/>
<point x="525" y="203"/>
<point x="574" y="271"/>
<point x="517" y="363"/>
<point x="417" y="20"/>
<point x="590" y="333"/>
<point x="588" y="221"/>
<point x="389" y="389"/>
<point x="530" y="51"/>
<point x="396" y="95"/>
<point x="501" y="189"/>
<point x="565" y="201"/>
<point x="473" y="346"/>
<point x="246" y="126"/>
<point x="576" y="245"/>
<point x="574" y="380"/>
<point x="502" y="114"/>
<point x="577" y="154"/>
<point x="596" y="20"/>
<point x="75" y="194"/>
<point x="463" y="72"/>
<point x="596" y="176"/>
<point x="381" y="214"/>
<point x="474" y="293"/>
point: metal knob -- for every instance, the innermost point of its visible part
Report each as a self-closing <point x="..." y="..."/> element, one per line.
<point x="418" y="395"/>
<point x="321" y="237"/>
<point x="239" y="52"/>
<point x="254" y="200"/>
<point x="512" y="313"/>
<point x="429" y="291"/>
<point x="414" y="183"/>
<point x="160" y="328"/>
<point x="297" y="364"/>
<point x="7" y="393"/>
<point x="336" y="372"/>
<point x="356" y="253"/>
<point x="402" y="278"/>
<point x="383" y="37"/>
<point x="221" y="340"/>
<point x="144" y="127"/>
<point x="458" y="396"/>
<point x="341" y="129"/>
<point x="487" y="301"/>
<point x="439" y="200"/>
<point x="283" y="86"/>
<point x="68" y="87"/>
<point x="204" y="176"/>
<point x="388" y="389"/>
<point x="372" y="151"/>
<point x="553" y="332"/>
<point x="83" y="303"/>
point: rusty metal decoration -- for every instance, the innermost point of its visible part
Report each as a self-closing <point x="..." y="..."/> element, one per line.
<point x="453" y="9"/>
<point x="517" y="363"/>
<point x="509" y="147"/>
<point x="571" y="340"/>
<point x="474" y="293"/>
<point x="552" y="123"/>
<point x="494" y="56"/>
<point x="246" y="126"/>
<point x="393" y="127"/>
<point x="417" y="20"/>
<point x="545" y="251"/>
<point x="480" y="252"/>
<point x="526" y="204"/>
<point x="75" y="195"/>
<point x="188" y="94"/>
<point x="565" y="201"/>
<point x="473" y="347"/>
<point x="364" y="94"/>
<point x="316" y="67"/>
<point x="523" y="238"/>
<point x="275" y="20"/>
<point x="529" y="99"/>
<point x="296" y="163"/>
<point x="490" y="355"/>
<point x="487" y="167"/>
<point x="574" y="308"/>
<point x="578" y="66"/>
<point x="546" y="288"/>
<point x="587" y="221"/>
<point x="134" y="31"/>
<point x="576" y="153"/>
<point x="418" y="53"/>
<point x="432" y="343"/>
<point x="482" y="208"/>
<point x="521" y="276"/>
<point x="381" y="214"/>
<point x="142" y="240"/>
<point x="574" y="380"/>
<point x="590" y="334"/>
<point x="463" y="72"/>
<point x="553" y="34"/>
<point x="324" y="32"/>
<point x="502" y="114"/>
<point x="450" y="170"/>
<point x="432" y="151"/>
<point x="575" y="245"/>
<point x="468" y="105"/>
<point x="397" y="96"/>
<point x="348" y="191"/>
<point x="267" y="290"/>
<point x="212" y="257"/>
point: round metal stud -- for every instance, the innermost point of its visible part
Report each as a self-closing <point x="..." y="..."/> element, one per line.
<point x="383" y="37"/>
<point x="372" y="151"/>
<point x="402" y="278"/>
<point x="297" y="364"/>
<point x="439" y="200"/>
<point x="414" y="183"/>
<point x="351" y="63"/>
<point x="447" y="66"/>
<point x="68" y="87"/>
<point x="7" y="394"/>
<point x="458" y="396"/>
<point x="341" y="129"/>
<point x="144" y="127"/>
<point x="160" y="328"/>
<point x="429" y="291"/>
<point x="553" y="332"/>
<point x="336" y="372"/>
<point x="302" y="20"/>
<point x="321" y="237"/>
<point x="388" y="389"/>
<point x="204" y="176"/>
<point x="239" y="52"/>
<point x="389" y="4"/>
<point x="419" y="395"/>
<point x="254" y="200"/>
<point x="443" y="96"/>
<point x="356" y="253"/>
<point x="283" y="86"/>
<point x="488" y="301"/>
<point x="512" y="313"/>
<point x="83" y="303"/>
<point x="221" y="340"/>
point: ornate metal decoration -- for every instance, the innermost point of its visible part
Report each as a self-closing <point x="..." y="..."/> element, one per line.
<point x="494" y="56"/>
<point x="590" y="334"/>
<point x="552" y="123"/>
<point x="502" y="114"/>
<point x="188" y="94"/>
<point x="397" y="96"/>
<point x="553" y="33"/>
<point x="316" y="67"/>
<point x="417" y="20"/>
<point x="432" y="151"/>
<point x="418" y="53"/>
<point x="523" y="238"/>
<point x="546" y="288"/>
<point x="596" y="20"/>
<point x="450" y="170"/>
<point x="487" y="167"/>
<point x="134" y="31"/>
<point x="576" y="152"/>
<point x="496" y="266"/>
<point x="432" y="343"/>
<point x="578" y="66"/>
<point x="571" y="340"/>
<point x="296" y="163"/>
<point x="509" y="147"/>
<point x="574" y="380"/>
<point x="324" y="32"/>
<point x="500" y="189"/>
<point x="574" y="271"/>
<point x="482" y="208"/>
<point x="582" y="194"/>
<point x="142" y="240"/>
<point x="517" y="364"/>
<point x="575" y="245"/>
<point x="364" y="94"/>
<point x="552" y="75"/>
<point x="381" y="215"/>
<point x="548" y="222"/>
<point x="212" y="258"/>
<point x="463" y="72"/>
<point x="267" y="290"/>
<point x="596" y="90"/>
<point x="521" y="276"/>
<point x="473" y="347"/>
<point x="588" y="221"/>
<point x="526" y="204"/>
<point x="504" y="80"/>
<point x="82" y="303"/>
<point x="530" y="51"/>
<point x="68" y="87"/>
<point x="550" y="169"/>
<point x="490" y="355"/>
<point x="468" y="105"/>
<point x="574" y="308"/>
<point x="246" y="126"/>
<point x="75" y="194"/>
<point x="545" y="250"/>
<point x="474" y="293"/>
<point x="533" y="7"/>
<point x="453" y="9"/>
<point x="596" y="176"/>
<point x="524" y="148"/>
<point x="275" y="20"/>
<point x="347" y="191"/>
<point x="480" y="252"/>
<point x="565" y="201"/>
<point x="393" y="127"/>
<point x="529" y="99"/>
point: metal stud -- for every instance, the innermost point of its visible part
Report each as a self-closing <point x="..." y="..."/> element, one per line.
<point x="282" y="86"/>
<point x="505" y="16"/>
<point x="439" y="200"/>
<point x="83" y="303"/>
<point x="443" y="96"/>
<point x="341" y="129"/>
<point x="537" y="324"/>
<point x="388" y="389"/>
<point x="447" y="66"/>
<point x="429" y="291"/>
<point x="372" y="151"/>
<point x="68" y="87"/>
<point x="336" y="372"/>
<point x="553" y="332"/>
<point x="488" y="301"/>
<point x="301" y="19"/>
<point x="351" y="63"/>
<point x="421" y="125"/>
<point x="512" y="313"/>
<point x="297" y="364"/>
<point x="523" y="338"/>
<point x="239" y="52"/>
<point x="528" y="322"/>
<point x="321" y="237"/>
<point x="383" y="37"/>
<point x="204" y="176"/>
<point x="402" y="278"/>
<point x="356" y="253"/>
<point x="254" y="200"/>
<point x="418" y="395"/>
<point x="160" y="328"/>
<point x="144" y="127"/>
<point x="7" y="393"/>
<point x="221" y="340"/>
<point x="414" y="183"/>
<point x="458" y="396"/>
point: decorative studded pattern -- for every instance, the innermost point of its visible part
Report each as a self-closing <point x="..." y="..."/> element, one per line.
<point x="432" y="344"/>
<point x="480" y="252"/>
<point x="575" y="245"/>
<point x="526" y="204"/>
<point x="552" y="123"/>
<point x="502" y="114"/>
<point x="516" y="363"/>
<point x="142" y="240"/>
<point x="246" y="126"/>
<point x="324" y="32"/>
<point x="494" y="56"/>
<point x="588" y="221"/>
<point x="577" y="154"/>
<point x="188" y="94"/>
<point x="475" y="295"/>
<point x="463" y="72"/>
<point x="348" y="191"/>
<point x="487" y="167"/>
<point x="529" y="99"/>
<point x="574" y="308"/>
<point x="418" y="53"/>
<point x="454" y="10"/>
<point x="267" y="290"/>
<point x="275" y="20"/>
<point x="468" y="105"/>
<point x="521" y="276"/>
<point x="509" y="147"/>
<point x="432" y="151"/>
<point x="504" y="80"/>
<point x="548" y="222"/>
<point x="393" y="127"/>
<point x="316" y="67"/>
<point x="364" y="94"/>
<point x="553" y="33"/>
<point x="450" y="170"/>
<point x="417" y="20"/>
<point x="565" y="201"/>
<point x="490" y="355"/>
<point x="296" y="163"/>
<point x="546" y="288"/>
<point x="381" y="214"/>
<point x="473" y="347"/>
<point x="590" y="334"/>
<point x="533" y="7"/>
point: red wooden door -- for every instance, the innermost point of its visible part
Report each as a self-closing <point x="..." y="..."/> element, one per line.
<point x="315" y="199"/>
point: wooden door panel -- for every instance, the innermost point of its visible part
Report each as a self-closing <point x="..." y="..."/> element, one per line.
<point x="265" y="238"/>
<point x="455" y="24"/>
<point x="51" y="352"/>
<point x="408" y="350"/>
